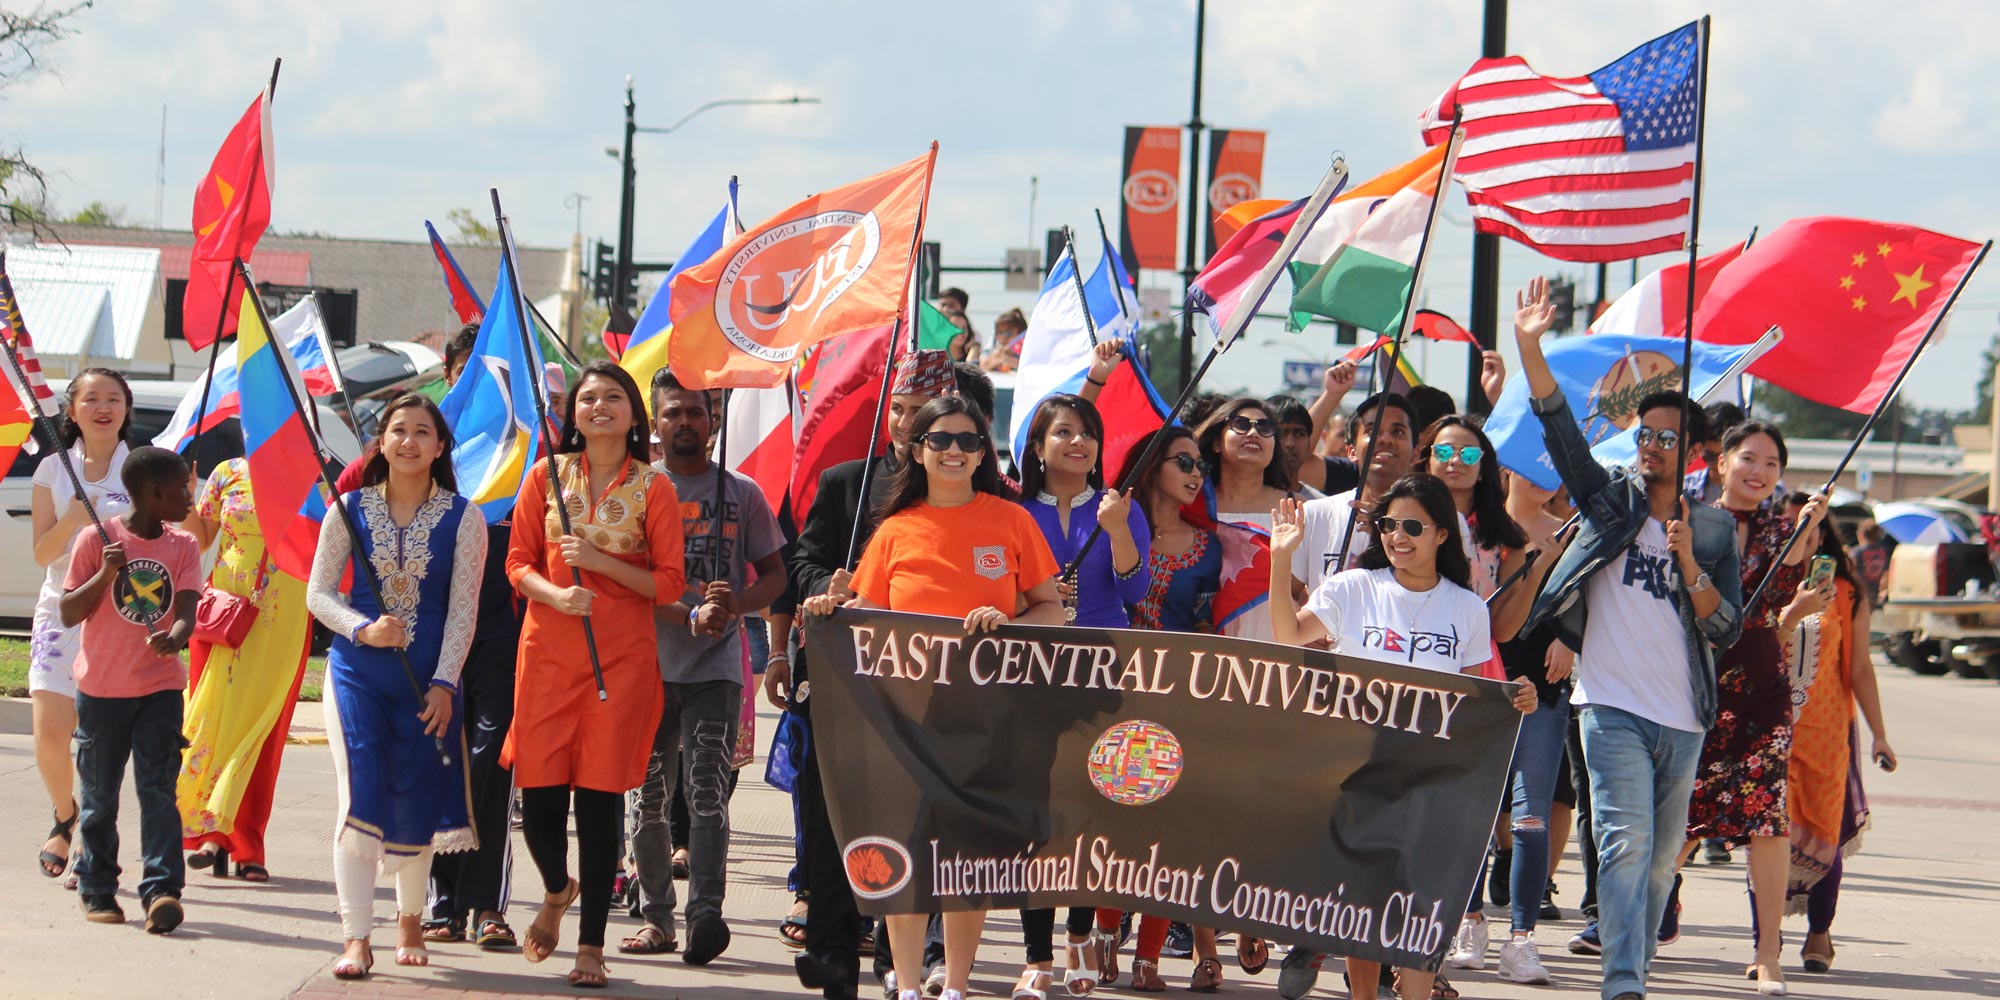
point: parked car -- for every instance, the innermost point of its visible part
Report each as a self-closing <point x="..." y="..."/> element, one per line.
<point x="153" y="403"/>
<point x="1943" y="610"/>
<point x="375" y="373"/>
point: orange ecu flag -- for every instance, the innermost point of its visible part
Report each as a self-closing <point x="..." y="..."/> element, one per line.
<point x="833" y="264"/>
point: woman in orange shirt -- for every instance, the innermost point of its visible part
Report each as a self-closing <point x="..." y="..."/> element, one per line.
<point x="625" y="540"/>
<point x="951" y="543"/>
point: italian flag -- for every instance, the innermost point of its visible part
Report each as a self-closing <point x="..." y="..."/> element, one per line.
<point x="1374" y="269"/>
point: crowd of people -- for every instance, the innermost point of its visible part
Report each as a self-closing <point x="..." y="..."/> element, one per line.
<point x="590" y="657"/>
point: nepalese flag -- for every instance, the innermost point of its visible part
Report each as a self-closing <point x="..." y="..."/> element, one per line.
<point x="232" y="208"/>
<point x="1588" y="168"/>
<point x="491" y="408"/>
<point x="278" y="445"/>
<point x="644" y="351"/>
<point x="1603" y="378"/>
<point x="464" y="298"/>
<point x="1246" y="560"/>
<point x="1657" y="305"/>
<point x="303" y="332"/>
<point x="1235" y="282"/>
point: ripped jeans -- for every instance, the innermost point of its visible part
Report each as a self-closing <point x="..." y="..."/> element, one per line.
<point x="696" y="737"/>
<point x="1531" y="783"/>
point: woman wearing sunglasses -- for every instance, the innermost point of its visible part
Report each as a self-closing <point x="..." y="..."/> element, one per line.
<point x="950" y="543"/>
<point x="1740" y="786"/>
<point x="1240" y="443"/>
<point x="1062" y="488"/>
<point x="1411" y="581"/>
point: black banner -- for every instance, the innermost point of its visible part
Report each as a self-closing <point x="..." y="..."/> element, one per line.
<point x="1314" y="799"/>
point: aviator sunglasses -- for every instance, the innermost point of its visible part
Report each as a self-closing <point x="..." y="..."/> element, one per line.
<point x="1412" y="528"/>
<point x="967" y="441"/>
<point x="1466" y="454"/>
<point x="1666" y="439"/>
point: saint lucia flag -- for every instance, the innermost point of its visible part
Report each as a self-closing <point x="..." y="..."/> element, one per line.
<point x="492" y="409"/>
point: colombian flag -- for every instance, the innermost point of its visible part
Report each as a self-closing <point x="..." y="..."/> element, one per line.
<point x="277" y="444"/>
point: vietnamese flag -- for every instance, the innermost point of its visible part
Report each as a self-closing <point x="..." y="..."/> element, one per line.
<point x="232" y="208"/>
<point x="836" y="263"/>
<point x="1854" y="298"/>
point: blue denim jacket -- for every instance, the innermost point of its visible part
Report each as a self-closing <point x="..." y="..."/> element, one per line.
<point x="1614" y="507"/>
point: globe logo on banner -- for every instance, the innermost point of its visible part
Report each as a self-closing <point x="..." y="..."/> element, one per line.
<point x="877" y="867"/>
<point x="1135" y="763"/>
<point x="1228" y="190"/>
<point x="773" y="289"/>
<point x="1615" y="397"/>
<point x="1152" y="191"/>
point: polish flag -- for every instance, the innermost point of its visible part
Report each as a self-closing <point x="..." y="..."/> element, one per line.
<point x="762" y="429"/>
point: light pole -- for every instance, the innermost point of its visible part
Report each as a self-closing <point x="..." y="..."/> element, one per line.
<point x="623" y="274"/>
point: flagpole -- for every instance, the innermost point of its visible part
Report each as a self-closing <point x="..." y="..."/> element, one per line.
<point x="1082" y="299"/>
<point x="721" y="489"/>
<point x="1693" y="249"/>
<point x="537" y="389"/>
<point x="347" y="521"/>
<point x="558" y="341"/>
<point x="43" y="422"/>
<point x="1124" y="311"/>
<point x="889" y="367"/>
<point x="1388" y="369"/>
<point x="1862" y="434"/>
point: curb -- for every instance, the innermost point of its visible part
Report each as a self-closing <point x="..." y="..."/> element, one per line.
<point x="17" y="716"/>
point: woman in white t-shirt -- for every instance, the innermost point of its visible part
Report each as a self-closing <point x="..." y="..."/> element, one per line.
<point x="1407" y="603"/>
<point x="97" y="414"/>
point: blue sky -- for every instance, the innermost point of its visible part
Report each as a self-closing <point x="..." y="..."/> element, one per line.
<point x="390" y="112"/>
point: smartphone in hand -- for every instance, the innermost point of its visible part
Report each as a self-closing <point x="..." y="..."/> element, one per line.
<point x="1821" y="572"/>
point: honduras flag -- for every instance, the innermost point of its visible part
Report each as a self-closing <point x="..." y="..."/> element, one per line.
<point x="1056" y="352"/>
<point x="491" y="409"/>
<point x="1604" y="377"/>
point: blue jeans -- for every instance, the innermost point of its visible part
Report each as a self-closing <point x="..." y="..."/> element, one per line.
<point x="1641" y="775"/>
<point x="146" y="731"/>
<point x="1538" y="754"/>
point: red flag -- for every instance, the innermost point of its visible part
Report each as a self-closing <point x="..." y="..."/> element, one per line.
<point x="761" y="444"/>
<point x="1854" y="297"/>
<point x="15" y="426"/>
<point x="232" y="208"/>
<point x="1132" y="411"/>
<point x="1433" y="325"/>
<point x="845" y="395"/>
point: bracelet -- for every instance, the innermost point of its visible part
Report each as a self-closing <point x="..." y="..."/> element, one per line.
<point x="694" y="615"/>
<point x="1093" y="381"/>
<point x="777" y="658"/>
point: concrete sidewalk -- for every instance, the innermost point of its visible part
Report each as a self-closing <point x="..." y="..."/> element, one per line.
<point x="1917" y="915"/>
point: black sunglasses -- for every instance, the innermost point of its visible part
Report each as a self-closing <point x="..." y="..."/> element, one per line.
<point x="1188" y="464"/>
<point x="1264" y="426"/>
<point x="1667" y="439"/>
<point x="1412" y="527"/>
<point x="969" y="442"/>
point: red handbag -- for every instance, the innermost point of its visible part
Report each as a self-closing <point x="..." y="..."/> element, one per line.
<point x="225" y="619"/>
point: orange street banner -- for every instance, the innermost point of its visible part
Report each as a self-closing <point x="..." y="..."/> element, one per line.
<point x="1236" y="172"/>
<point x="836" y="263"/>
<point x="1151" y="196"/>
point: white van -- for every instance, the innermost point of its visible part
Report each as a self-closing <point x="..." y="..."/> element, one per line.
<point x="153" y="403"/>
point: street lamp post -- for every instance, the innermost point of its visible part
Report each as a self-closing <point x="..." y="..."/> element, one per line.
<point x="622" y="320"/>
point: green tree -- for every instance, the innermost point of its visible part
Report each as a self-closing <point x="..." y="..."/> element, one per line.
<point x="98" y="213"/>
<point x="471" y="229"/>
<point x="1162" y="344"/>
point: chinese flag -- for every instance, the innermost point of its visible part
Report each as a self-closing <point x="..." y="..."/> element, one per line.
<point x="836" y="263"/>
<point x="1854" y="298"/>
<point x="232" y="208"/>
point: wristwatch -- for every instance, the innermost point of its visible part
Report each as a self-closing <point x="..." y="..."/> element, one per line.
<point x="1700" y="584"/>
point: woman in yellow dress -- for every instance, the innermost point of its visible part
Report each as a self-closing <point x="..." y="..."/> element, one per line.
<point x="240" y="700"/>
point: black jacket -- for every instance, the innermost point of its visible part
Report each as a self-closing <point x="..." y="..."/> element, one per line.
<point x="829" y="526"/>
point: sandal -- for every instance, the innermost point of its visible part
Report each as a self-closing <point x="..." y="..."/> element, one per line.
<point x="414" y="956"/>
<point x="252" y="872"/>
<point x="1107" y="957"/>
<point x="1078" y="979"/>
<point x="347" y="968"/>
<point x="1034" y="984"/>
<point x="443" y="929"/>
<point x="1253" y="954"/>
<point x="792" y="930"/>
<point x="651" y="939"/>
<point x="1207" y="976"/>
<point x="204" y="859"/>
<point x="586" y="980"/>
<point x="680" y="861"/>
<point x="53" y="864"/>
<point x="1816" y="961"/>
<point x="1146" y="976"/>
<point x="540" y="940"/>
<point x="495" y="935"/>
<point x="1441" y="989"/>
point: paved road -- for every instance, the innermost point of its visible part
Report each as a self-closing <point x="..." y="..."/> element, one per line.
<point x="1917" y="915"/>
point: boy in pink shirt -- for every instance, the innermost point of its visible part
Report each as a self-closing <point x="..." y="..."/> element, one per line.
<point x="135" y="598"/>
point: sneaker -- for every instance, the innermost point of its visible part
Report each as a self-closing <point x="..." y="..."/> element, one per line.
<point x="1521" y="963"/>
<point x="708" y="937"/>
<point x="1586" y="942"/>
<point x="1550" y="911"/>
<point x="1715" y="851"/>
<point x="934" y="982"/>
<point x="1180" y="941"/>
<point x="1500" y="878"/>
<point x="163" y="914"/>
<point x="889" y="991"/>
<point x="1468" y="949"/>
<point x="1670" y="921"/>
<point x="101" y="908"/>
<point x="1299" y="972"/>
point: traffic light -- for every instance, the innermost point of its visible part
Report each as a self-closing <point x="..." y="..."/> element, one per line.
<point x="629" y="293"/>
<point x="601" y="272"/>
<point x="1562" y="295"/>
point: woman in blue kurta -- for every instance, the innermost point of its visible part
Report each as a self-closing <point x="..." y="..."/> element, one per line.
<point x="399" y="801"/>
<point x="1062" y="486"/>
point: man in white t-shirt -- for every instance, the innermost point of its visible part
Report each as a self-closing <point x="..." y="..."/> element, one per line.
<point x="1389" y="455"/>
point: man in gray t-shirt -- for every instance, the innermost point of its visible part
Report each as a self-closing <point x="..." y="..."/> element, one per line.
<point x="730" y="536"/>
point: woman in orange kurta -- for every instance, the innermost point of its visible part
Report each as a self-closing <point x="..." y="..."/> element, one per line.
<point x="625" y="540"/>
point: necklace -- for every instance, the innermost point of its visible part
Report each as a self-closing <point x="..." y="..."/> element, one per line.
<point x="1410" y="627"/>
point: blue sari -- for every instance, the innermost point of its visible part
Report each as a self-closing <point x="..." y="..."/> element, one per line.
<point x="401" y="798"/>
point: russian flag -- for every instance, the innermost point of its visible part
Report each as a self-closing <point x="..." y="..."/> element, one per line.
<point x="303" y="332"/>
<point x="278" y="445"/>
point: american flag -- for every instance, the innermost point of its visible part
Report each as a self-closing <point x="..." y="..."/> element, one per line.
<point x="1591" y="168"/>
<point x="36" y="393"/>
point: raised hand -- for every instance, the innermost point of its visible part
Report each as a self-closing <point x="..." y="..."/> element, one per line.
<point x="1339" y="378"/>
<point x="1534" y="312"/>
<point x="1104" y="359"/>
<point x="1492" y="374"/>
<point x="1287" y="528"/>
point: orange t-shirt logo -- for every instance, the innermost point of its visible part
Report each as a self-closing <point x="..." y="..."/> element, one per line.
<point x="990" y="561"/>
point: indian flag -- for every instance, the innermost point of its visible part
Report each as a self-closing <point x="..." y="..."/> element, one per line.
<point x="1373" y="251"/>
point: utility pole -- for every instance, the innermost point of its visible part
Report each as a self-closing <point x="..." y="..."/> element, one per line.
<point x="1196" y="203"/>
<point x="622" y="321"/>
<point x="1485" y="246"/>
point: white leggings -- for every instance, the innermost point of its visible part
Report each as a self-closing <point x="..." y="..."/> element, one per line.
<point x="353" y="875"/>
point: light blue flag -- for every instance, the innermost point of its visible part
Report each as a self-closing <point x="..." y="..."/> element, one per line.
<point x="492" y="409"/>
<point x="1604" y="377"/>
